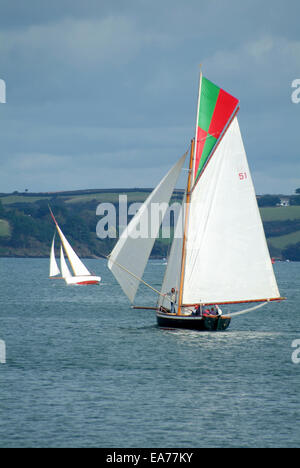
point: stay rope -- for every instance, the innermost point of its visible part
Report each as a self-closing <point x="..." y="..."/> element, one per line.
<point x="245" y="311"/>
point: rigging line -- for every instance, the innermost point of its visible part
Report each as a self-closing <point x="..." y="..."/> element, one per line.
<point x="241" y="312"/>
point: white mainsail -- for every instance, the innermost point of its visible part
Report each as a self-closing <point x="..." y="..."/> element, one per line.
<point x="54" y="270"/>
<point x="131" y="251"/>
<point x="227" y="258"/>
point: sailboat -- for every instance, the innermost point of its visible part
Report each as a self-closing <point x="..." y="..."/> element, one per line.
<point x="222" y="257"/>
<point x="81" y="275"/>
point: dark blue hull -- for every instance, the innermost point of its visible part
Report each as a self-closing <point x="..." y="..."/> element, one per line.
<point x="208" y="323"/>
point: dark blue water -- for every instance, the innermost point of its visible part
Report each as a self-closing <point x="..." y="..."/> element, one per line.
<point x="84" y="370"/>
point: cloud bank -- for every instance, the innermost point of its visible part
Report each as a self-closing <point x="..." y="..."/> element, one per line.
<point x="104" y="94"/>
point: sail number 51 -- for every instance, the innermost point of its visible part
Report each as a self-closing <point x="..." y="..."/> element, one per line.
<point x="242" y="175"/>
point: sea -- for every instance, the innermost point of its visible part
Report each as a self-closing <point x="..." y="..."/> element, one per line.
<point x="81" y="368"/>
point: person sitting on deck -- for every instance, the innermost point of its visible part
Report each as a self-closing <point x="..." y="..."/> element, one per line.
<point x="173" y="299"/>
<point x="197" y="312"/>
<point x="213" y="311"/>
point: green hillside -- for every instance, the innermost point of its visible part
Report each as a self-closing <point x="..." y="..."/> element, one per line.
<point x="280" y="213"/>
<point x="281" y="242"/>
<point x="26" y="228"/>
<point x="282" y="228"/>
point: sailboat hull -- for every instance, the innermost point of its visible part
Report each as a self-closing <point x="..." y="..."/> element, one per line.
<point x="208" y="323"/>
<point x="82" y="280"/>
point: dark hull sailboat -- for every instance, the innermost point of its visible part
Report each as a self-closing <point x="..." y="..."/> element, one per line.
<point x="205" y="323"/>
<point x="219" y="253"/>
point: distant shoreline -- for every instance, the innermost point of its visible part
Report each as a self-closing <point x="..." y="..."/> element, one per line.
<point x="26" y="228"/>
<point x="104" y="190"/>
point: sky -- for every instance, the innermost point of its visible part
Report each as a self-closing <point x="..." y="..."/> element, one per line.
<point x="103" y="93"/>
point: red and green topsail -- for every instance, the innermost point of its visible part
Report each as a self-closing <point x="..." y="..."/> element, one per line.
<point x="216" y="106"/>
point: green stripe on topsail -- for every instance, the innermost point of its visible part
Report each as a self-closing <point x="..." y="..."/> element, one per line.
<point x="209" y="96"/>
<point x="216" y="106"/>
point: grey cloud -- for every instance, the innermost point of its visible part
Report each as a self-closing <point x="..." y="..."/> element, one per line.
<point x="115" y="83"/>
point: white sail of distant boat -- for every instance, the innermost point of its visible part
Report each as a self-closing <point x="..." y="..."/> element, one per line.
<point x="65" y="272"/>
<point x="54" y="270"/>
<point x="222" y="257"/>
<point x="81" y="274"/>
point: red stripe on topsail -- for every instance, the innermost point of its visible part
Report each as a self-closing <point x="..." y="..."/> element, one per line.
<point x="225" y="106"/>
<point x="201" y="138"/>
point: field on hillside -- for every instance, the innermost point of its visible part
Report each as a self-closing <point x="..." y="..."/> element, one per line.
<point x="4" y="228"/>
<point x="138" y="195"/>
<point x="282" y="242"/>
<point x="110" y="197"/>
<point x="280" y="213"/>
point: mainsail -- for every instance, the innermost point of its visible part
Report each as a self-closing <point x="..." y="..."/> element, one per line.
<point x="227" y="258"/>
<point x="131" y="253"/>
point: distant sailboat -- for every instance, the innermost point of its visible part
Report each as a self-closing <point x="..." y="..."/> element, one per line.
<point x="81" y="275"/>
<point x="222" y="257"/>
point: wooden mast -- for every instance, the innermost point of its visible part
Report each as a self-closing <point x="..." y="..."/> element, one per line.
<point x="187" y="209"/>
